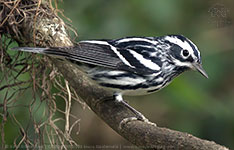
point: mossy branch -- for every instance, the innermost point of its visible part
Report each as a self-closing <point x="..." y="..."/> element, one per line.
<point x="45" y="29"/>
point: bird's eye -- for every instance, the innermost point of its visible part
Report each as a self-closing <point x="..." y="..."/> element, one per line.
<point x="185" y="53"/>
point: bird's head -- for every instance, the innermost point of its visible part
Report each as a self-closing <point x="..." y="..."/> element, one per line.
<point x="184" y="53"/>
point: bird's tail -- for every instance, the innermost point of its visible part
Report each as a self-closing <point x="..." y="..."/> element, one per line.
<point x="30" y="49"/>
<point x="54" y="52"/>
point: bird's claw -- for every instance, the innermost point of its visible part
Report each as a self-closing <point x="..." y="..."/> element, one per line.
<point x="127" y="120"/>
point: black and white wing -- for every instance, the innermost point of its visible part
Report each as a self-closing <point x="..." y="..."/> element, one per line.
<point x="140" y="53"/>
<point x="134" y="54"/>
<point x="131" y="54"/>
<point x="98" y="53"/>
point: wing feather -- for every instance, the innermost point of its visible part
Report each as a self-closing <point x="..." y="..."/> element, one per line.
<point x="123" y="54"/>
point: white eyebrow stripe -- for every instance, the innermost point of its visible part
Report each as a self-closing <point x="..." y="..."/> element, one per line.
<point x="199" y="54"/>
<point x="183" y="45"/>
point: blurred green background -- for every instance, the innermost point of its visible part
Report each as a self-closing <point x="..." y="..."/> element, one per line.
<point x="191" y="103"/>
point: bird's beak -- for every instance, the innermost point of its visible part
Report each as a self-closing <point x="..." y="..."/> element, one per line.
<point x="199" y="68"/>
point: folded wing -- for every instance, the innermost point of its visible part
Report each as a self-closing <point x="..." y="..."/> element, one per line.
<point x="104" y="54"/>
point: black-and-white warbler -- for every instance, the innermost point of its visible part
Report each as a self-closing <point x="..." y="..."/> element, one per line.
<point x="131" y="65"/>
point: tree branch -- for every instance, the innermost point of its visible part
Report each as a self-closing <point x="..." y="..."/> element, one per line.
<point x="47" y="30"/>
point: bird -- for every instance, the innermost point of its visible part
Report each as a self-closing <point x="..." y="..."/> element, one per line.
<point x="130" y="65"/>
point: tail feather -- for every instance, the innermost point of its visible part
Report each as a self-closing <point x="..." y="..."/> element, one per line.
<point x="54" y="52"/>
<point x="30" y="49"/>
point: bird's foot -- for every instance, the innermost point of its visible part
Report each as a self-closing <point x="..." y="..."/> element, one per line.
<point x="139" y="116"/>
